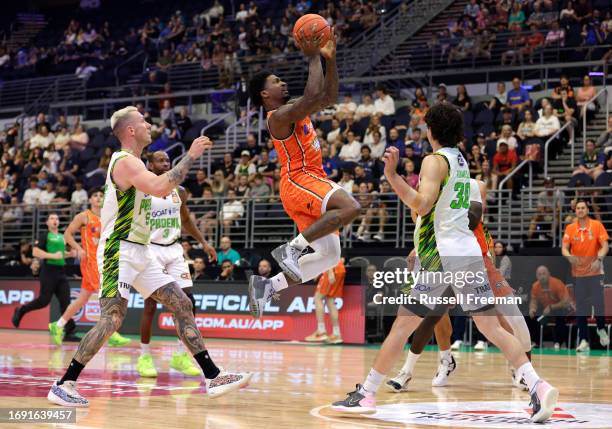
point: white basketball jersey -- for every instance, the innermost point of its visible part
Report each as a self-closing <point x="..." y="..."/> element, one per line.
<point x="124" y="215"/>
<point x="444" y="233"/>
<point x="166" y="219"/>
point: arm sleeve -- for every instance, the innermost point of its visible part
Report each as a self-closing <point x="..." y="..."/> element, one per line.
<point x="603" y="234"/>
<point x="566" y="236"/>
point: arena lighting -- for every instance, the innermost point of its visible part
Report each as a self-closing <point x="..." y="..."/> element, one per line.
<point x="527" y="87"/>
<point x="592" y="74"/>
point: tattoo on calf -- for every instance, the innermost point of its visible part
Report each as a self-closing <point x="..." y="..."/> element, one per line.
<point x="175" y="299"/>
<point x="180" y="171"/>
<point x="112" y="313"/>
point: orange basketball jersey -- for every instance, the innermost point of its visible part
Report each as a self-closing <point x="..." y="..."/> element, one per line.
<point x="300" y="152"/>
<point x="303" y="182"/>
<point x="484" y="239"/>
<point x="90" y="235"/>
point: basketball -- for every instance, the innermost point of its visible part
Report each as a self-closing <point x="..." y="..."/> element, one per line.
<point x="306" y="22"/>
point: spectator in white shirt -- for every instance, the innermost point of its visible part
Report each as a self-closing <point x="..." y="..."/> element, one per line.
<point x="346" y="108"/>
<point x="231" y="211"/>
<point x="335" y="131"/>
<point x="42" y="139"/>
<point x="347" y="182"/>
<point x="53" y="157"/>
<point x="351" y="149"/>
<point x="214" y="12"/>
<point x="245" y="166"/>
<point x="500" y="93"/>
<point x="547" y="124"/>
<point x="47" y="195"/>
<point x="242" y="14"/>
<point x="366" y="108"/>
<point x="377" y="146"/>
<point x="32" y="194"/>
<point x="507" y="137"/>
<point x="384" y="103"/>
<point x="84" y="71"/>
<point x="368" y="137"/>
<point x="79" y="195"/>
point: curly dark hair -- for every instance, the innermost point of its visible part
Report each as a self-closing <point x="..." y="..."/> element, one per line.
<point x="446" y="124"/>
<point x="256" y="85"/>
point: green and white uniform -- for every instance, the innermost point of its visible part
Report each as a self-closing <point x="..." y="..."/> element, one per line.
<point x="444" y="243"/>
<point x="166" y="235"/>
<point x="124" y="258"/>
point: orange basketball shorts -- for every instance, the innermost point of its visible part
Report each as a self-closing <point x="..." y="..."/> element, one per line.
<point x="499" y="285"/>
<point x="334" y="290"/>
<point x="90" y="278"/>
<point x="304" y="195"/>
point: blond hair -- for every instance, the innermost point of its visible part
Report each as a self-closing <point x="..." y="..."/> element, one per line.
<point x="119" y="116"/>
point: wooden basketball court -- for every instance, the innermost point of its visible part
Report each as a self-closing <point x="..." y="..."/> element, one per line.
<point x="292" y="386"/>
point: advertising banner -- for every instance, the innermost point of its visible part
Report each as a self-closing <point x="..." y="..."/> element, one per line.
<point x="14" y="293"/>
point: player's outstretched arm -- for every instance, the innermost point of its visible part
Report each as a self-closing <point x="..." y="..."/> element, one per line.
<point x="433" y="171"/>
<point x="330" y="86"/>
<point x="79" y="221"/>
<point x="191" y="229"/>
<point x="130" y="171"/>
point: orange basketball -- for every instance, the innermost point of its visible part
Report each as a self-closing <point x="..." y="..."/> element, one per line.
<point x="312" y="24"/>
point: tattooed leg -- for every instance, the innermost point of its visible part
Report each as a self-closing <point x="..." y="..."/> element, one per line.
<point x="341" y="210"/>
<point x="173" y="297"/>
<point x="112" y="313"/>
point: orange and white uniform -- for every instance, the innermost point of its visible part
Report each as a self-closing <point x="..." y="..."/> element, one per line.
<point x="499" y="285"/>
<point x="90" y="236"/>
<point x="335" y="289"/>
<point x="304" y="187"/>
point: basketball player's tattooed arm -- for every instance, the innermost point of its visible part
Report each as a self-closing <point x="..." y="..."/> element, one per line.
<point x="180" y="305"/>
<point x="79" y="221"/>
<point x="131" y="171"/>
<point x="192" y="229"/>
<point x="433" y="171"/>
<point x="112" y="313"/>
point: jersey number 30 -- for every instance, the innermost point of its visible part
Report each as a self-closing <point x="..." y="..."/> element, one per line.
<point x="463" y="196"/>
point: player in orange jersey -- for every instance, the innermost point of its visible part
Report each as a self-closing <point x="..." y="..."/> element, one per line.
<point x="329" y="287"/>
<point x="509" y="315"/>
<point x="88" y="223"/>
<point x="317" y="205"/>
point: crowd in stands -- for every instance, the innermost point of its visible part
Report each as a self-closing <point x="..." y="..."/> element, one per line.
<point x="511" y="32"/>
<point x="214" y="38"/>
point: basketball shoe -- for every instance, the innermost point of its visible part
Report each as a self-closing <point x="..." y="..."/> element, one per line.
<point x="445" y="368"/>
<point x="287" y="258"/>
<point x="260" y="293"/>
<point x="66" y="395"/>
<point x="226" y="382"/>
<point x="543" y="401"/>
<point x="145" y="366"/>
<point x="57" y="333"/>
<point x="356" y="403"/>
<point x="182" y="362"/>
<point x="116" y="340"/>
<point x="399" y="383"/>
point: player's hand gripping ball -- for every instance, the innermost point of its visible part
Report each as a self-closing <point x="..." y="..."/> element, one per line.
<point x="311" y="29"/>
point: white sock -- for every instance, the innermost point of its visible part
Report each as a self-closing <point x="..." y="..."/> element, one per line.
<point x="299" y="242"/>
<point x="145" y="349"/>
<point x="446" y="355"/>
<point x="321" y="327"/>
<point x="411" y="361"/>
<point x="61" y="322"/>
<point x="336" y="329"/>
<point x="373" y="381"/>
<point x="530" y="375"/>
<point x="279" y="282"/>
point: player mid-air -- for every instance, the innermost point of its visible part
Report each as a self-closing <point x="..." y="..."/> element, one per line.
<point x="318" y="206"/>
<point x="88" y="224"/>
<point x="168" y="216"/>
<point x="445" y="244"/>
<point x="125" y="259"/>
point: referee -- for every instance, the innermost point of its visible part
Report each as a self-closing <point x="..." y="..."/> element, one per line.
<point x="50" y="248"/>
<point x="585" y="244"/>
